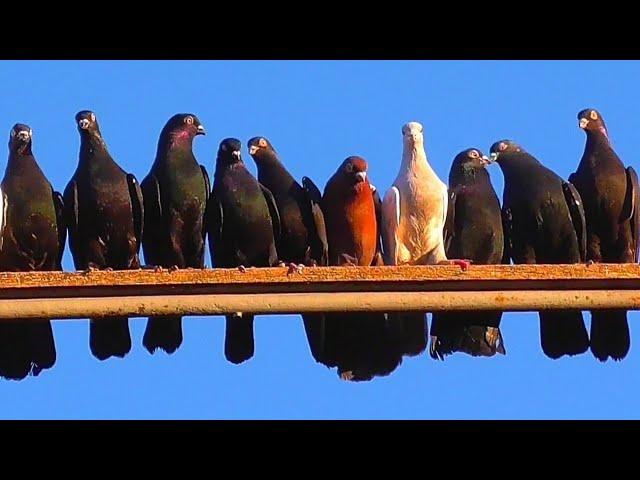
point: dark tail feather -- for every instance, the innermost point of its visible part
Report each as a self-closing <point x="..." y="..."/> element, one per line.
<point x="410" y="330"/>
<point x="164" y="333"/>
<point x="563" y="333"/>
<point x="314" y="326"/>
<point x="364" y="346"/>
<point x="15" y="363"/>
<point x="41" y="344"/>
<point x="609" y="334"/>
<point x="238" y="342"/>
<point x="109" y="337"/>
<point x="474" y="333"/>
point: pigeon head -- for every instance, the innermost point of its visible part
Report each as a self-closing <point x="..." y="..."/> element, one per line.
<point x="412" y="134"/>
<point x="503" y="146"/>
<point x="471" y="158"/>
<point x="183" y="125"/>
<point x="20" y="138"/>
<point x="229" y="151"/>
<point x="87" y="123"/>
<point x="354" y="169"/>
<point x="466" y="165"/>
<point x="258" y="146"/>
<point x="590" y="120"/>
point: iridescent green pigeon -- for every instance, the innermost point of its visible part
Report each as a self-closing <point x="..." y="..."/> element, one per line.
<point x="32" y="235"/>
<point x="175" y="193"/>
<point x="104" y="213"/>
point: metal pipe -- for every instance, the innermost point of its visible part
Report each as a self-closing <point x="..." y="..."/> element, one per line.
<point x="284" y="303"/>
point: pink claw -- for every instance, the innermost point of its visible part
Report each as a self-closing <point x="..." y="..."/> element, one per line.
<point x="463" y="264"/>
<point x="293" y="268"/>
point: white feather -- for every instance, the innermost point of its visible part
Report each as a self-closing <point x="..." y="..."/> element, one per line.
<point x="3" y="215"/>
<point x="390" y="222"/>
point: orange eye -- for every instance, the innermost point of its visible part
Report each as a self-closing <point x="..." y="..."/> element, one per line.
<point x="188" y="120"/>
<point x="503" y="146"/>
<point x="593" y="114"/>
<point x="262" y="143"/>
<point x="93" y="117"/>
<point x="473" y="154"/>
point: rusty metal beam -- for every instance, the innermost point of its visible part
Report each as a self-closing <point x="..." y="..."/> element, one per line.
<point x="271" y="290"/>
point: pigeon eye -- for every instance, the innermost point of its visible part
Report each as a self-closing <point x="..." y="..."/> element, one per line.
<point x="188" y="120"/>
<point x="593" y="114"/>
<point x="262" y="143"/>
<point x="503" y="146"/>
<point x="93" y="117"/>
<point x="473" y="154"/>
<point x="13" y="132"/>
<point x="349" y="167"/>
<point x="223" y="147"/>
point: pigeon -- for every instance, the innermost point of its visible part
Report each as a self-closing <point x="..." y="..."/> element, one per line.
<point x="32" y="234"/>
<point x="414" y="211"/>
<point x="361" y="345"/>
<point x="175" y="193"/>
<point x="104" y="213"/>
<point x="610" y="194"/>
<point x="544" y="222"/>
<point x="473" y="230"/>
<point x="243" y="227"/>
<point x="303" y="238"/>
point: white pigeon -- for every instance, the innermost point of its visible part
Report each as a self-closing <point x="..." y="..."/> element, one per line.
<point x="414" y="209"/>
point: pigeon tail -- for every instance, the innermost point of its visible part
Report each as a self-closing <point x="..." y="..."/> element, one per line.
<point x="109" y="337"/>
<point x="163" y="333"/>
<point x="609" y="334"/>
<point x="238" y="342"/>
<point x="563" y="333"/>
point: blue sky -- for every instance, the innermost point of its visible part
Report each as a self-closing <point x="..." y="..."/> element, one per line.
<point x="316" y="114"/>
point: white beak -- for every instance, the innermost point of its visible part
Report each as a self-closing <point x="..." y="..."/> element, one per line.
<point x="236" y="153"/>
<point x="362" y="176"/>
<point x="493" y="157"/>
<point x="253" y="149"/>
<point x="83" y="124"/>
<point x="583" y="123"/>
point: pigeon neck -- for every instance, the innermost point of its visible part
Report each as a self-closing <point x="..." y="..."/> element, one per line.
<point x="223" y="166"/>
<point x="90" y="144"/>
<point x="597" y="137"/>
<point x="271" y="172"/>
<point x="19" y="161"/>
<point x="178" y="140"/>
<point x="466" y="175"/>
<point x="174" y="149"/>
<point x="414" y="159"/>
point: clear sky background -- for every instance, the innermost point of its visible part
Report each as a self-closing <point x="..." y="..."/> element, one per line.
<point x="316" y="114"/>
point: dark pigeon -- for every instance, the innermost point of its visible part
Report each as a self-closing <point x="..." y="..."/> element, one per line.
<point x="33" y="234"/>
<point x="361" y="345"/>
<point x="544" y="223"/>
<point x="243" y="227"/>
<point x="473" y="230"/>
<point x="610" y="194"/>
<point x="175" y="193"/>
<point x="303" y="239"/>
<point x="104" y="213"/>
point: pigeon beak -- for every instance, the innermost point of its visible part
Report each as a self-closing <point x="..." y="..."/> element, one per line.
<point x="236" y="154"/>
<point x="493" y="157"/>
<point x="253" y="149"/>
<point x="23" y="135"/>
<point x="83" y="124"/>
<point x="361" y="176"/>
<point x="484" y="160"/>
<point x="200" y="130"/>
<point x="583" y="123"/>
